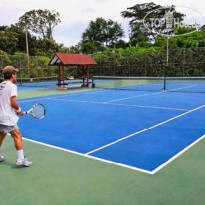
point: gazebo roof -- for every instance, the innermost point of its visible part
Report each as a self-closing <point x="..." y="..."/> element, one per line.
<point x="67" y="59"/>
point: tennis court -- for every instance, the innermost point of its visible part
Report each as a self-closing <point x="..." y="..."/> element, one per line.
<point x="138" y="130"/>
<point x="110" y="146"/>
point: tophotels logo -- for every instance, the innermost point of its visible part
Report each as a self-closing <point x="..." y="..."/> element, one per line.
<point x="165" y="20"/>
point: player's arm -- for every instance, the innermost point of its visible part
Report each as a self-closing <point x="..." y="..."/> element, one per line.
<point x="15" y="105"/>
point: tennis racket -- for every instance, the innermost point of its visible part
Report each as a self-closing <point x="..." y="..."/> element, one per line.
<point x="38" y="111"/>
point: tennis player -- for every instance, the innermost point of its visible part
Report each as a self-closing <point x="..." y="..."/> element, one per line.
<point x="9" y="109"/>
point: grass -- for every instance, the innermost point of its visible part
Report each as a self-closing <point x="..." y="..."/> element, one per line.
<point x="59" y="177"/>
<point x="63" y="178"/>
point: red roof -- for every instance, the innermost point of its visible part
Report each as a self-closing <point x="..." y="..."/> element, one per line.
<point x="72" y="59"/>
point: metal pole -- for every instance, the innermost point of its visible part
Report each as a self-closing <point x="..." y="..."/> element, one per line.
<point x="167" y="61"/>
<point x="20" y="70"/>
<point x="167" y="49"/>
<point x="27" y="49"/>
<point x="169" y="19"/>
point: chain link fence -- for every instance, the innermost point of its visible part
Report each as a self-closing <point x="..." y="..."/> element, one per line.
<point x="181" y="63"/>
<point x="187" y="62"/>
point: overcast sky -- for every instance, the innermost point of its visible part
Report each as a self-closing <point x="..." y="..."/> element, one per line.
<point x="75" y="15"/>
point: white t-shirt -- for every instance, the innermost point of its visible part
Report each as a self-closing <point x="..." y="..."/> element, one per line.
<point x="7" y="112"/>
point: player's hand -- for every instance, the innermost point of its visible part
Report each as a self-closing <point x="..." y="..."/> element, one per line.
<point x="20" y="113"/>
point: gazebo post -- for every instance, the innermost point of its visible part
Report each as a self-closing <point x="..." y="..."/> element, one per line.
<point x="59" y="74"/>
<point x="88" y="73"/>
<point x="61" y="77"/>
<point x="85" y="76"/>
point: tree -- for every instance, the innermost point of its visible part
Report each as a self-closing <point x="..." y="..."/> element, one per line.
<point x="88" y="47"/>
<point x="137" y="14"/>
<point x="21" y="36"/>
<point x="46" y="47"/>
<point x="192" y="40"/>
<point x="12" y="39"/>
<point x="8" y="40"/>
<point x="41" y="22"/>
<point x="103" y="33"/>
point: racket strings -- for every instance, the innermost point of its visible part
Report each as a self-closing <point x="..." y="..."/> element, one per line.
<point x="39" y="111"/>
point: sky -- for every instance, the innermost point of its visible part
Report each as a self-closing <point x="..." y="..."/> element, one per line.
<point x="76" y="15"/>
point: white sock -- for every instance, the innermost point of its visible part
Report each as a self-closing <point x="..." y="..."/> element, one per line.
<point x="20" y="154"/>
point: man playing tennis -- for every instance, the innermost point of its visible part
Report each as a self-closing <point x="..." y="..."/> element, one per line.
<point x="9" y="109"/>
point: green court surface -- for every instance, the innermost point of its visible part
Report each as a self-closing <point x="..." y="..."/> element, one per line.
<point x="59" y="177"/>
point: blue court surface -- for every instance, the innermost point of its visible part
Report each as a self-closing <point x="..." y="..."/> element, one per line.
<point x="140" y="130"/>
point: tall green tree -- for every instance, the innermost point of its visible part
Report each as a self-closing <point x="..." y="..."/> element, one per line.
<point x="103" y="33"/>
<point x="137" y="13"/>
<point x="47" y="47"/>
<point x="8" y="40"/>
<point x="191" y="40"/>
<point x="12" y="39"/>
<point x="88" y="47"/>
<point x="21" y="36"/>
<point x="41" y="22"/>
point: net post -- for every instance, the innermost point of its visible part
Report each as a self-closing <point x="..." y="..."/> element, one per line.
<point x="92" y="83"/>
<point x="164" y="87"/>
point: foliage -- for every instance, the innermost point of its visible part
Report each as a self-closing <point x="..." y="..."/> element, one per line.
<point x="151" y="61"/>
<point x="2" y="53"/>
<point x="88" y="47"/>
<point x="102" y="33"/>
<point x="140" y="56"/>
<point x="137" y="14"/>
<point x="46" y="47"/>
<point x="8" y="39"/>
<point x="41" y="22"/>
<point x="192" y="40"/>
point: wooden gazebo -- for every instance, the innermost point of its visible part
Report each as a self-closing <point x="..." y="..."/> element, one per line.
<point x="79" y="60"/>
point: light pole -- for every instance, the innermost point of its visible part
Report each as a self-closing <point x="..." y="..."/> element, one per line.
<point x="169" y="22"/>
<point x="27" y="49"/>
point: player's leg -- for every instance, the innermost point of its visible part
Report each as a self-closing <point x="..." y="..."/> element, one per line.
<point x="2" y="136"/>
<point x="21" y="160"/>
<point x="17" y="139"/>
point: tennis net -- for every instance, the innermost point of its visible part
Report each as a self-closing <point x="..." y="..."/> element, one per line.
<point x="170" y="84"/>
<point x="41" y="82"/>
<point x="37" y="82"/>
<point x="185" y="84"/>
<point x="128" y="83"/>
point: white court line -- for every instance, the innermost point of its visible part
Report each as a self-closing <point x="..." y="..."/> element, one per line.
<point x="191" y="86"/>
<point x="91" y="92"/>
<point x="127" y="105"/>
<point x="152" y="93"/>
<point x="146" y="129"/>
<point x="88" y="156"/>
<point x="111" y="162"/>
<point x="119" y="164"/>
<point x="177" y="155"/>
<point x="106" y="102"/>
<point x="78" y="101"/>
<point x="146" y="106"/>
<point x="136" y="96"/>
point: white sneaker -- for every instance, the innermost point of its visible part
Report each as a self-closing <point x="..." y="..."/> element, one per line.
<point x="2" y="158"/>
<point x="23" y="162"/>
